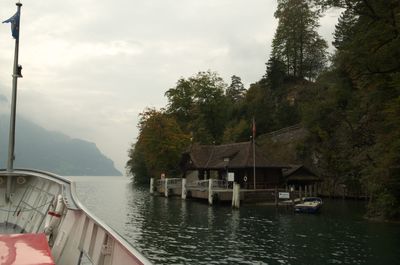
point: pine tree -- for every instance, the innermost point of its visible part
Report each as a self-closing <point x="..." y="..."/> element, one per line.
<point x="276" y="73"/>
<point x="236" y="91"/>
<point x="297" y="42"/>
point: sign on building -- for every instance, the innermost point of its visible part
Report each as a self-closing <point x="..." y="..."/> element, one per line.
<point x="231" y="176"/>
<point x="284" y="195"/>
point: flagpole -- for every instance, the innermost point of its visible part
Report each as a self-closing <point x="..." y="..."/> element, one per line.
<point x="254" y="153"/>
<point x="16" y="75"/>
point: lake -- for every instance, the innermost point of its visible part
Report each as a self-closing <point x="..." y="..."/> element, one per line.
<point x="174" y="231"/>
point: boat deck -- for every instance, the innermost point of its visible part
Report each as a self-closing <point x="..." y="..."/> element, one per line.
<point x="29" y="249"/>
<point x="36" y="202"/>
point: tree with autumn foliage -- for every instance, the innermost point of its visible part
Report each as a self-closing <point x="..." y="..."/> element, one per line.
<point x="158" y="148"/>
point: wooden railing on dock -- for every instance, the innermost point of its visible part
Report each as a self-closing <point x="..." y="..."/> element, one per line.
<point x="204" y="185"/>
<point x="169" y="186"/>
<point x="172" y="182"/>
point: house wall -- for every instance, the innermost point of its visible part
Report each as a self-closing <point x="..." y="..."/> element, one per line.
<point x="195" y="175"/>
<point x="192" y="175"/>
<point x="266" y="178"/>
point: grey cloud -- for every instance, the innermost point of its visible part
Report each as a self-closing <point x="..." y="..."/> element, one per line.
<point x="88" y="63"/>
<point x="3" y="99"/>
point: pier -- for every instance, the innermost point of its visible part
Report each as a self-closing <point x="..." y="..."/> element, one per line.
<point x="237" y="173"/>
<point x="220" y="191"/>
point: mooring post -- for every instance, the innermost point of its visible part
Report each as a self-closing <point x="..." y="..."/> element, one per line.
<point x="305" y="191"/>
<point x="151" y="185"/>
<point x="166" y="187"/>
<point x="292" y="188"/>
<point x="276" y="196"/>
<point x="210" y="192"/>
<point x="236" y="195"/>
<point x="184" y="188"/>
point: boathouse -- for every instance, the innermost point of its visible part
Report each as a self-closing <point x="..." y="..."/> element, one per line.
<point x="231" y="162"/>
<point x="299" y="175"/>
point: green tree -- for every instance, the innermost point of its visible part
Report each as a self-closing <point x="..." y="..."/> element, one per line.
<point x="261" y="104"/>
<point x="236" y="91"/>
<point x="200" y="105"/>
<point x="296" y="41"/>
<point x="364" y="92"/>
<point x="136" y="164"/>
<point x="333" y="139"/>
<point x="181" y="102"/>
<point x="276" y="74"/>
<point x="211" y="104"/>
<point x="237" y="131"/>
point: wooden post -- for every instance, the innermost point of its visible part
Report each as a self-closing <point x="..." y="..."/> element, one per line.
<point x="292" y="188"/>
<point x="305" y="191"/>
<point x="210" y="192"/>
<point x="236" y="195"/>
<point x="276" y="196"/>
<point x="184" y="188"/>
<point x="315" y="189"/>
<point x="166" y="187"/>
<point x="151" y="185"/>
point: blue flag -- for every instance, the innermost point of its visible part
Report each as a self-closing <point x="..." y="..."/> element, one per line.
<point x="14" y="20"/>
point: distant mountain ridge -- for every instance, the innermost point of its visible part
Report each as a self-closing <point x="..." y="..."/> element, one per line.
<point x="46" y="150"/>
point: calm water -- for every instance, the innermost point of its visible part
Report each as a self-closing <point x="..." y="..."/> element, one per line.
<point x="172" y="231"/>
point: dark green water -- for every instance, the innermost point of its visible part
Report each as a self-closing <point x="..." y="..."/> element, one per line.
<point x="172" y="231"/>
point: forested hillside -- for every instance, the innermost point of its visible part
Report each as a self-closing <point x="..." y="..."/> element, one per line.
<point x="55" y="152"/>
<point x="349" y="103"/>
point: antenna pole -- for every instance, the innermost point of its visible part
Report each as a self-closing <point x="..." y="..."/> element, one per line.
<point x="16" y="75"/>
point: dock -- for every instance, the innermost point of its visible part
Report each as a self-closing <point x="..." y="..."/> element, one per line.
<point x="216" y="191"/>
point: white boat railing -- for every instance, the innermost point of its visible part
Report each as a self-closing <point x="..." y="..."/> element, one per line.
<point x="113" y="250"/>
<point x="80" y="236"/>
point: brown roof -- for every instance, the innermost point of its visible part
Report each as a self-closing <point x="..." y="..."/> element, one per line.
<point x="236" y="155"/>
<point x="299" y="172"/>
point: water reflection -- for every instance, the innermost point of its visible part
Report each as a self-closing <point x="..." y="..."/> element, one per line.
<point x="172" y="231"/>
<point x="233" y="222"/>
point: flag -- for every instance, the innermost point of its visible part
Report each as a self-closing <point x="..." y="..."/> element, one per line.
<point x="14" y="20"/>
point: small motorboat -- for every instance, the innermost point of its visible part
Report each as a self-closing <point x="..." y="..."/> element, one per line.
<point x="308" y="205"/>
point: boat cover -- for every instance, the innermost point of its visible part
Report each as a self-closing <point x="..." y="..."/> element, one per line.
<point x="25" y="249"/>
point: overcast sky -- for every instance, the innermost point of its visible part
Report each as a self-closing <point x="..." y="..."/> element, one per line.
<point x="90" y="67"/>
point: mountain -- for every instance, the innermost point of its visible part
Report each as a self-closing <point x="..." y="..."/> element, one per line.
<point x="51" y="151"/>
